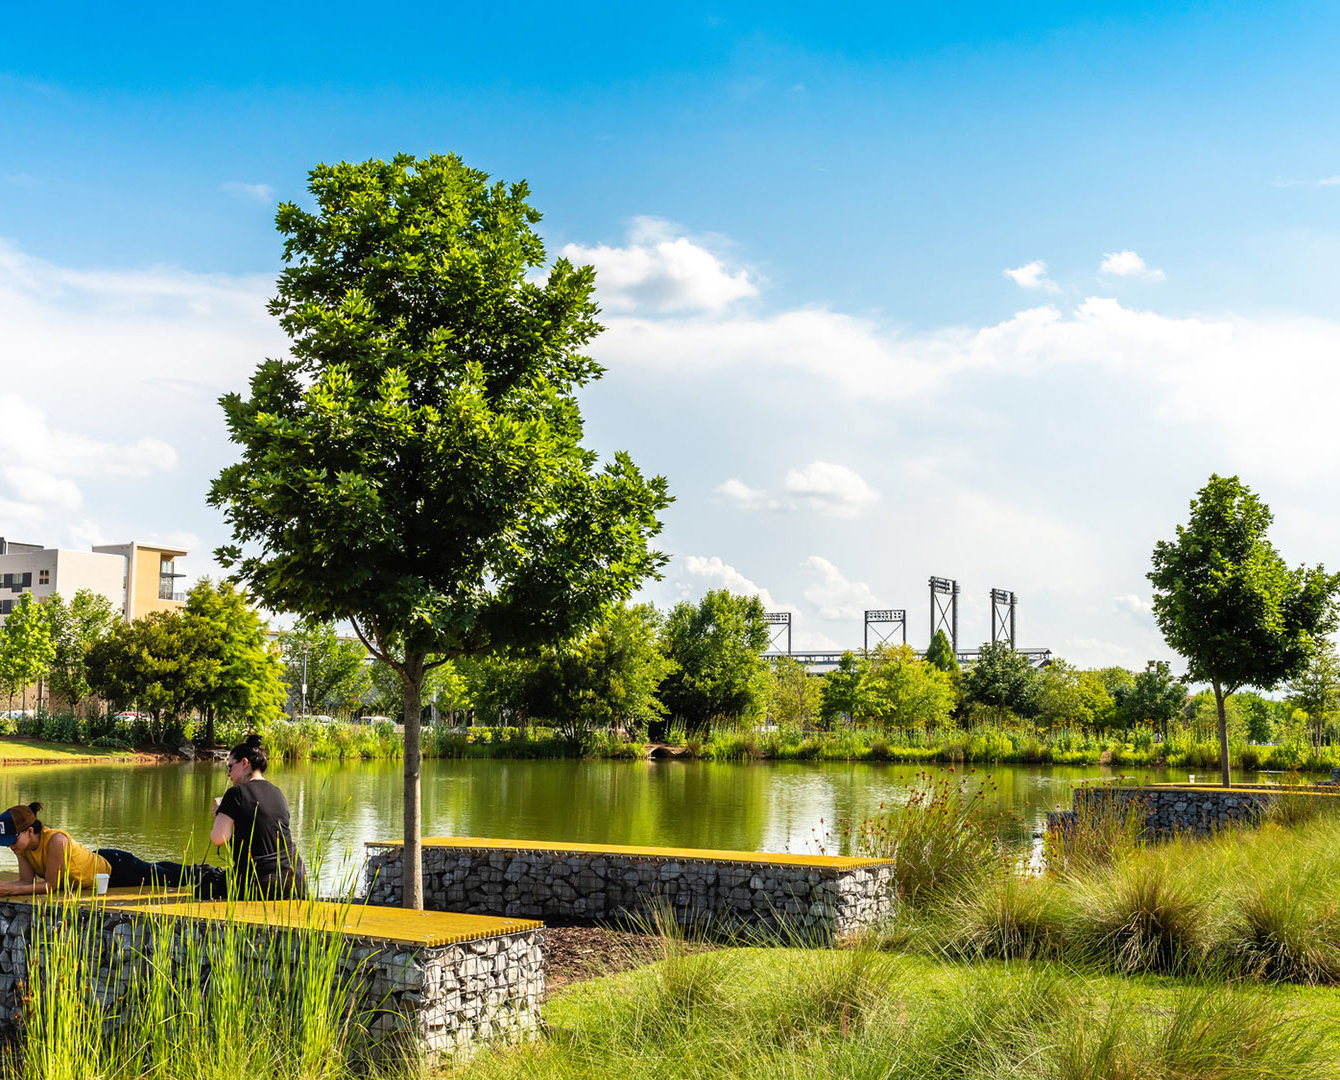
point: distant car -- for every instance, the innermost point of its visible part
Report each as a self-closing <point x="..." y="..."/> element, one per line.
<point x="319" y="718"/>
<point x="131" y="717"/>
<point x="18" y="714"/>
<point x="376" y="719"/>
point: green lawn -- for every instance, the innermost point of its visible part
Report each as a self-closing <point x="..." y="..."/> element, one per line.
<point x="36" y="750"/>
<point x="768" y="1013"/>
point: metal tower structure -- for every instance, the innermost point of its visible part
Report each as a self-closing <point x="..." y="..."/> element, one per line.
<point x="781" y="620"/>
<point x="894" y="618"/>
<point x="944" y="608"/>
<point x="1003" y="605"/>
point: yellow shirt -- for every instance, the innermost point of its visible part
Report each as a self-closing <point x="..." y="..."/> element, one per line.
<point x="80" y="863"/>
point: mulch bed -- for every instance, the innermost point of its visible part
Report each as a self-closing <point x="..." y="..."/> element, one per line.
<point x="576" y="953"/>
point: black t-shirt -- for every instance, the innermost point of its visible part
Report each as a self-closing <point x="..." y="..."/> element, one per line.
<point x="263" y="848"/>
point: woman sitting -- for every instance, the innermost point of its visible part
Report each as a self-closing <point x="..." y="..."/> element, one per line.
<point x="64" y="863"/>
<point x="253" y="816"/>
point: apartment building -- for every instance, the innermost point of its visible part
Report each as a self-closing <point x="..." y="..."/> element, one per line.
<point x="136" y="578"/>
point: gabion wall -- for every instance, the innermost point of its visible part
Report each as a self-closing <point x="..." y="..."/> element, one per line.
<point x="441" y="997"/>
<point x="804" y="902"/>
<point x="1171" y="809"/>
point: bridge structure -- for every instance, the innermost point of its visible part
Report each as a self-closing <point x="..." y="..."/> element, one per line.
<point x="888" y="626"/>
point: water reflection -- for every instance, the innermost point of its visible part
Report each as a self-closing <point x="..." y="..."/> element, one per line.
<point x="164" y="811"/>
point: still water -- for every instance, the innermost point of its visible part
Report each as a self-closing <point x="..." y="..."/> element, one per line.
<point x="163" y="811"/>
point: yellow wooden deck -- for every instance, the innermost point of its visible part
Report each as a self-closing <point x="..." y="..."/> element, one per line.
<point x="397" y="925"/>
<point x="112" y="898"/>
<point x="760" y="858"/>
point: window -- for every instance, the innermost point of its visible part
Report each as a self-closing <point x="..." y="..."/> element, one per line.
<point x="44" y="577"/>
<point x="167" y="576"/>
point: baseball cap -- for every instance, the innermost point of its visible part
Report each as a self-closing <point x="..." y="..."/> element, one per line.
<point x="14" y="821"/>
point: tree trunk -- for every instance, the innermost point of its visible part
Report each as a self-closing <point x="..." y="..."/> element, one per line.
<point x="1223" y="733"/>
<point x="412" y="863"/>
<point x="209" y="727"/>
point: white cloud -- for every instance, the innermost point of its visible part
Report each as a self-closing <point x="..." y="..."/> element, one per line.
<point x="1128" y="264"/>
<point x="660" y="272"/>
<point x="833" y="596"/>
<point x="1133" y="604"/>
<point x="820" y="487"/>
<point x="40" y="451"/>
<point x="21" y="514"/>
<point x="716" y="574"/>
<point x="1032" y="275"/>
<point x="744" y="496"/>
<point x="39" y="486"/>
<point x="261" y="193"/>
<point x="830" y="489"/>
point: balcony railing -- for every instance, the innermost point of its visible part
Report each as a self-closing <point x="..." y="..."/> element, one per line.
<point x="168" y="594"/>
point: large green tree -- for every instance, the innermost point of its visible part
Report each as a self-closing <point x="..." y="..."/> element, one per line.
<point x="1228" y="603"/>
<point x="1003" y="680"/>
<point x="415" y="465"/>
<point x="88" y="617"/>
<point x="232" y="669"/>
<point x="904" y="691"/>
<point x="717" y="644"/>
<point x="1153" y="697"/>
<point x="153" y="663"/>
<point x="607" y="677"/>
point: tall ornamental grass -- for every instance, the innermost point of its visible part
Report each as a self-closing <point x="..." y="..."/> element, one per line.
<point x="857" y="1014"/>
<point x="201" y="1001"/>
<point x="1260" y="904"/>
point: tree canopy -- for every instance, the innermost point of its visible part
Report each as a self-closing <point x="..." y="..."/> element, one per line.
<point x="335" y="668"/>
<point x="1227" y="601"/>
<point x="88" y="617"/>
<point x="1003" y="680"/>
<point x="415" y="465"/>
<point x="717" y="645"/>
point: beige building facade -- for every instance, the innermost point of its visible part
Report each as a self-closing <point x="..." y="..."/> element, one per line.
<point x="136" y="578"/>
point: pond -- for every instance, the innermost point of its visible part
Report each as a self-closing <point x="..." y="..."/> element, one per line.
<point x="163" y="811"/>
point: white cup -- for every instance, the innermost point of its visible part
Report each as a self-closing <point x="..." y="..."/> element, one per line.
<point x="101" y="881"/>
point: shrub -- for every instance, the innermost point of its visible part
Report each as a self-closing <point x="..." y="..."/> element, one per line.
<point x="1139" y="917"/>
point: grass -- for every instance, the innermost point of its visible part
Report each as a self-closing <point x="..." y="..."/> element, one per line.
<point x="40" y="750"/>
<point x="857" y="1013"/>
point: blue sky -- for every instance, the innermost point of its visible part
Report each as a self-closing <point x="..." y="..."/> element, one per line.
<point x="819" y="234"/>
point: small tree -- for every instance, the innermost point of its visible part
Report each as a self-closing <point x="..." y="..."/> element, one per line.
<point x="843" y="692"/>
<point x="905" y="691"/>
<point x="1226" y="600"/>
<point x="941" y="653"/>
<point x="717" y="645"/>
<point x="795" y="695"/>
<point x="25" y="643"/>
<point x="334" y="668"/>
<point x="416" y="466"/>
<point x="1316" y="689"/>
<point x="75" y="627"/>
<point x="150" y="663"/>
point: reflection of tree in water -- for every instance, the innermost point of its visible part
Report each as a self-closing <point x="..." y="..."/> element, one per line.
<point x="156" y="810"/>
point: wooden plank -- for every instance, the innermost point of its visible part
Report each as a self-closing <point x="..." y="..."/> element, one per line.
<point x="758" y="858"/>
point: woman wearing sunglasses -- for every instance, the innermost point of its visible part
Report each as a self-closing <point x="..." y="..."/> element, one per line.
<point x="252" y="816"/>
